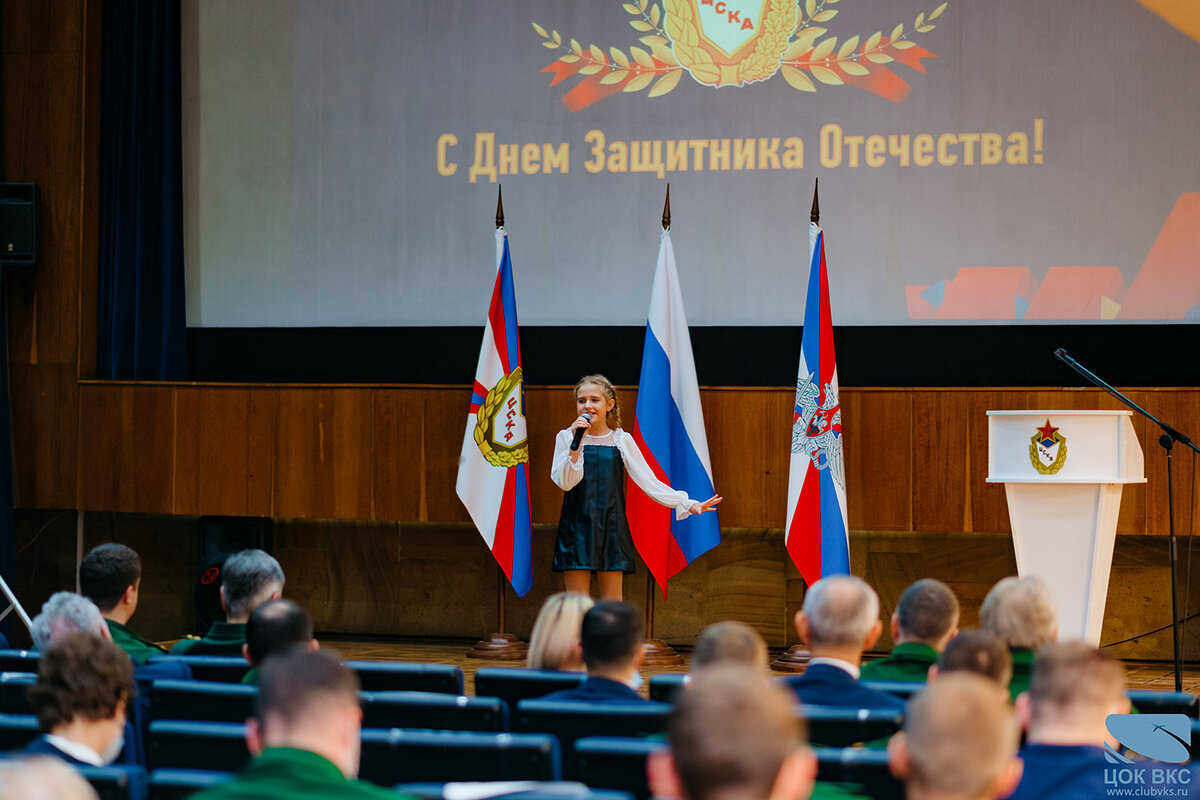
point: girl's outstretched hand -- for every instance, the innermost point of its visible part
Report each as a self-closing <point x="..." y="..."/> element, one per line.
<point x="707" y="505"/>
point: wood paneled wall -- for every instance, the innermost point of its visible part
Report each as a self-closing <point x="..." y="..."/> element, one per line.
<point x="915" y="459"/>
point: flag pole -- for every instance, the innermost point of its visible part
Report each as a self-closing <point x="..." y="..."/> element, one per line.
<point x="658" y="653"/>
<point x="797" y="656"/>
<point x="500" y="646"/>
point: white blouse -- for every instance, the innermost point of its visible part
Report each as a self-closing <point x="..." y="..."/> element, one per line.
<point x="567" y="474"/>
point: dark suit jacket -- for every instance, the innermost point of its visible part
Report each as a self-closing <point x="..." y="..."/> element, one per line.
<point x="41" y="747"/>
<point x="1061" y="772"/>
<point x="826" y="685"/>
<point x="598" y="690"/>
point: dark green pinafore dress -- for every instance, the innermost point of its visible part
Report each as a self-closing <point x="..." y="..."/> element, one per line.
<point x="593" y="533"/>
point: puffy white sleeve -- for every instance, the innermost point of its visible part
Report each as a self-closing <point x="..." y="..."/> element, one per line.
<point x="565" y="474"/>
<point x="639" y="470"/>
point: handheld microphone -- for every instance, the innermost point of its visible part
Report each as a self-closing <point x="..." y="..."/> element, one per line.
<point x="579" y="433"/>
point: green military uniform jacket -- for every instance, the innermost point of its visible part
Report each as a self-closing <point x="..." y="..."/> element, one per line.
<point x="251" y="676"/>
<point x="137" y="646"/>
<point x="909" y="662"/>
<point x="1022" y="670"/>
<point x="285" y="772"/>
<point x="223" y="639"/>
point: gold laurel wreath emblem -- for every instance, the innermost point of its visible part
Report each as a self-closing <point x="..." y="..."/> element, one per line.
<point x="1059" y="461"/>
<point x="485" y="420"/>
<point x="775" y="29"/>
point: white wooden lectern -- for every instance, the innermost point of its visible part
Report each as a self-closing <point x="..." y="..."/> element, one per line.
<point x="1063" y="472"/>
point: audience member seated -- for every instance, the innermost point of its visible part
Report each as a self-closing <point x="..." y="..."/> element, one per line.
<point x="925" y="619"/>
<point x="734" y="736"/>
<point x="838" y="621"/>
<point x="248" y="579"/>
<point x="83" y="687"/>
<point x="67" y="612"/>
<point x="554" y="643"/>
<point x="276" y="627"/>
<point x="304" y="737"/>
<point x="730" y="642"/>
<point x="42" y="778"/>
<point x="111" y="576"/>
<point x="959" y="742"/>
<point x="977" y="651"/>
<point x="1021" y="612"/>
<point x="1072" y="690"/>
<point x="3" y="642"/>
<point x="611" y="637"/>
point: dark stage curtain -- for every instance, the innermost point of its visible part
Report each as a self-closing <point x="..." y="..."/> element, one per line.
<point x="141" y="313"/>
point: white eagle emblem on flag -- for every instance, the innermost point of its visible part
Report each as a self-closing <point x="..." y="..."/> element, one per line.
<point x="817" y="430"/>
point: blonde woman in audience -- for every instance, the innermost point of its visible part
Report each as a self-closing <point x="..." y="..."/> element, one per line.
<point x="555" y="640"/>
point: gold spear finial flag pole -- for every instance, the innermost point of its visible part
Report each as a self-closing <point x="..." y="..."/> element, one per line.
<point x="815" y="214"/>
<point x="499" y="206"/>
<point x="667" y="210"/>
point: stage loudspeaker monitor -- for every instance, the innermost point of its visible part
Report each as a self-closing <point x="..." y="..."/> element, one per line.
<point x="18" y="223"/>
<point x="219" y="538"/>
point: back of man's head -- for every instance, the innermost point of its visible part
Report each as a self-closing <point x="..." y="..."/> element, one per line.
<point x="959" y="741"/>
<point x="276" y="627"/>
<point x="729" y="641"/>
<point x="64" y="613"/>
<point x="82" y="677"/>
<point x="978" y="651"/>
<point x="1021" y="612"/>
<point x="249" y="578"/>
<point x="927" y="612"/>
<point x="611" y="635"/>
<point x="840" y="611"/>
<point x="734" y="736"/>
<point x="1072" y="689"/>
<point x="106" y="572"/>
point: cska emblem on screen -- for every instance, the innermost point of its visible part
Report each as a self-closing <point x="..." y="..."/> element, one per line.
<point x="1048" y="449"/>
<point x="737" y="43"/>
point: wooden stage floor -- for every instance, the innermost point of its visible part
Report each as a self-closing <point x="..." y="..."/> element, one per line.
<point x="1140" y="674"/>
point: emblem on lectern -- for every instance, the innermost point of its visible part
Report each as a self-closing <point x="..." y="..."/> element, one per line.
<point x="1048" y="449"/>
<point x="500" y="423"/>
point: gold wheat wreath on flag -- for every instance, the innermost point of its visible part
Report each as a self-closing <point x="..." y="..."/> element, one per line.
<point x="485" y="419"/>
<point x="791" y="40"/>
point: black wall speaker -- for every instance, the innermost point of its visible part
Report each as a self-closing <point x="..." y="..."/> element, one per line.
<point x="219" y="538"/>
<point x="18" y="223"/>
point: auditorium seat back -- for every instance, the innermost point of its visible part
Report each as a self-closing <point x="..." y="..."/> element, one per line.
<point x="610" y="762"/>
<point x="202" y="700"/>
<point x="179" y="784"/>
<point x="569" y="721"/>
<point x="434" y="711"/>
<point x="19" y="661"/>
<point x="512" y="685"/>
<point x="116" y="783"/>
<point x="399" y="676"/>
<point x="402" y="755"/>
<point x="1149" y="701"/>
<point x="842" y="727"/>
<point x="864" y="767"/>
<point x="219" y="746"/>
<point x="221" y="669"/>
<point x="664" y="686"/>
<point x="14" y="692"/>
<point x="16" y="731"/>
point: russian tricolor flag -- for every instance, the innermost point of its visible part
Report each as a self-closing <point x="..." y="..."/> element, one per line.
<point x="493" y="470"/>
<point x="817" y="538"/>
<point x="669" y="430"/>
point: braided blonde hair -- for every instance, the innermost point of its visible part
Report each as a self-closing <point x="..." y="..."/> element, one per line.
<point x="613" y="418"/>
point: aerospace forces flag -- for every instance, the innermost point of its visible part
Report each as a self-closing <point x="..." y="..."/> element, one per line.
<point x="669" y="430"/>
<point x="493" y="470"/>
<point x="817" y="533"/>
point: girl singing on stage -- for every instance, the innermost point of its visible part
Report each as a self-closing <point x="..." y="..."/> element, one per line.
<point x="593" y="534"/>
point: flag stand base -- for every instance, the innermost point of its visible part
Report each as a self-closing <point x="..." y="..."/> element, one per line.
<point x="660" y="654"/>
<point x="794" y="660"/>
<point x="500" y="647"/>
